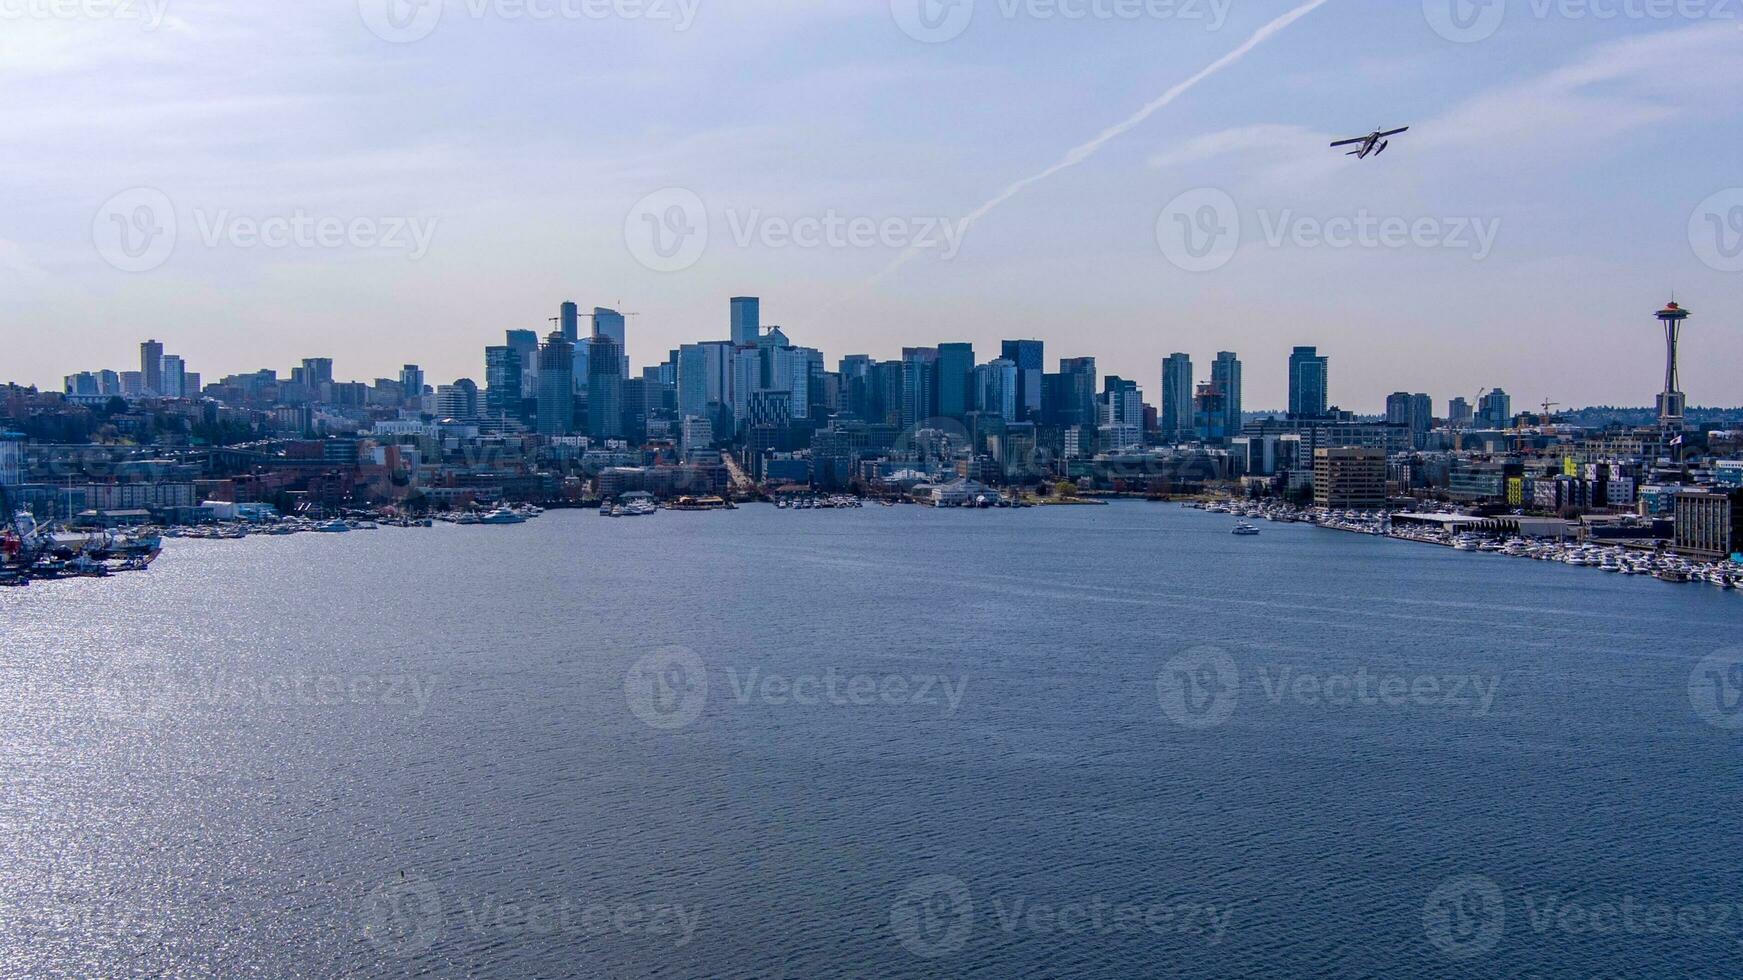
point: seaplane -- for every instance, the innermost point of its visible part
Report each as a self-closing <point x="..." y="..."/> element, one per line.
<point x="1373" y="144"/>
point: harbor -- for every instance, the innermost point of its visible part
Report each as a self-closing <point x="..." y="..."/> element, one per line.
<point x="1446" y="531"/>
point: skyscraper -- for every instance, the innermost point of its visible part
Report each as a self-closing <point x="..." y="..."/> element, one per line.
<point x="503" y="381"/>
<point x="604" y="389"/>
<point x="955" y="379"/>
<point x="570" y="319"/>
<point x="610" y="323"/>
<point x="919" y="385"/>
<point x="525" y="344"/>
<point x="1176" y="409"/>
<point x="411" y="382"/>
<point x="174" y="377"/>
<point x="1079" y="392"/>
<point x="1459" y="413"/>
<point x="556" y="386"/>
<point x="1495" y="409"/>
<point x="1309" y="383"/>
<point x="1225" y="376"/>
<point x="1029" y="357"/>
<point x="151" y="367"/>
<point x="747" y="320"/>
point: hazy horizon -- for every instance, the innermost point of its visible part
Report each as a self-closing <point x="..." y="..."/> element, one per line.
<point x="1563" y="177"/>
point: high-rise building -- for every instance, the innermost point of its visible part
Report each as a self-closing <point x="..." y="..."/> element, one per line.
<point x="411" y="381"/>
<point x="1225" y="377"/>
<point x="1459" y="413"/>
<point x="1029" y="357"/>
<point x="995" y="385"/>
<point x="604" y="389"/>
<point x="1309" y="384"/>
<point x="11" y="459"/>
<point x="1672" y="403"/>
<point x="569" y="319"/>
<point x="919" y="385"/>
<point x="458" y="401"/>
<point x="151" y="367"/>
<point x="173" y="376"/>
<point x="704" y="377"/>
<point x="317" y="371"/>
<point x="556" y="386"/>
<point x="1078" y="389"/>
<point x="747" y="320"/>
<point x="610" y="323"/>
<point x="1495" y="410"/>
<point x="525" y="344"/>
<point x="1176" y="410"/>
<point x="503" y="382"/>
<point x="955" y="380"/>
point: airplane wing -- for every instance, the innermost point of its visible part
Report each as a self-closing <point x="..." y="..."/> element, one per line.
<point x="1359" y="139"/>
<point x="1395" y="132"/>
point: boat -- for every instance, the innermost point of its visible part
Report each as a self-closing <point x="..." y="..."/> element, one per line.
<point x="1245" y="530"/>
<point x="502" y="515"/>
<point x="333" y="527"/>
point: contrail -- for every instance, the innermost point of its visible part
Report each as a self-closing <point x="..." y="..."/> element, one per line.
<point x="1089" y="149"/>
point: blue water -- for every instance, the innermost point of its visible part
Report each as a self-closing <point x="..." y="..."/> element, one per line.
<point x="488" y="752"/>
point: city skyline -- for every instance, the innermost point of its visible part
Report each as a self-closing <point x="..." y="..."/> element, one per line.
<point x="744" y="323"/>
<point x="1526" y="131"/>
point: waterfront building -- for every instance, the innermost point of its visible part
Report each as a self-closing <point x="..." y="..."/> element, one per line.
<point x="1349" y="478"/>
<point x="1709" y="522"/>
<point x="1309" y="383"/>
<point x="747" y="320"/>
<point x="1175" y="412"/>
<point x="556" y="386"/>
<point x="1030" y="359"/>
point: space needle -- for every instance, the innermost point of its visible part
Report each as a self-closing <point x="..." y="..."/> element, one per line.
<point x="1673" y="402"/>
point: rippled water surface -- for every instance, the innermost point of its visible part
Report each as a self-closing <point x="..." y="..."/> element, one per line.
<point x="1096" y="742"/>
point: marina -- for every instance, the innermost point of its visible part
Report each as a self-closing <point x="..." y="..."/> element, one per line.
<point x="1658" y="563"/>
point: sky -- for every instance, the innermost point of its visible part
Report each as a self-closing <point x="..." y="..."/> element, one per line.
<point x="394" y="181"/>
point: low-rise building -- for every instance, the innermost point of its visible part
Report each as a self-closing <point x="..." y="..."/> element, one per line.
<point x="1709" y="523"/>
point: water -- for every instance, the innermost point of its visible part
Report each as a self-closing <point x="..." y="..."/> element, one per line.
<point x="488" y="752"/>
